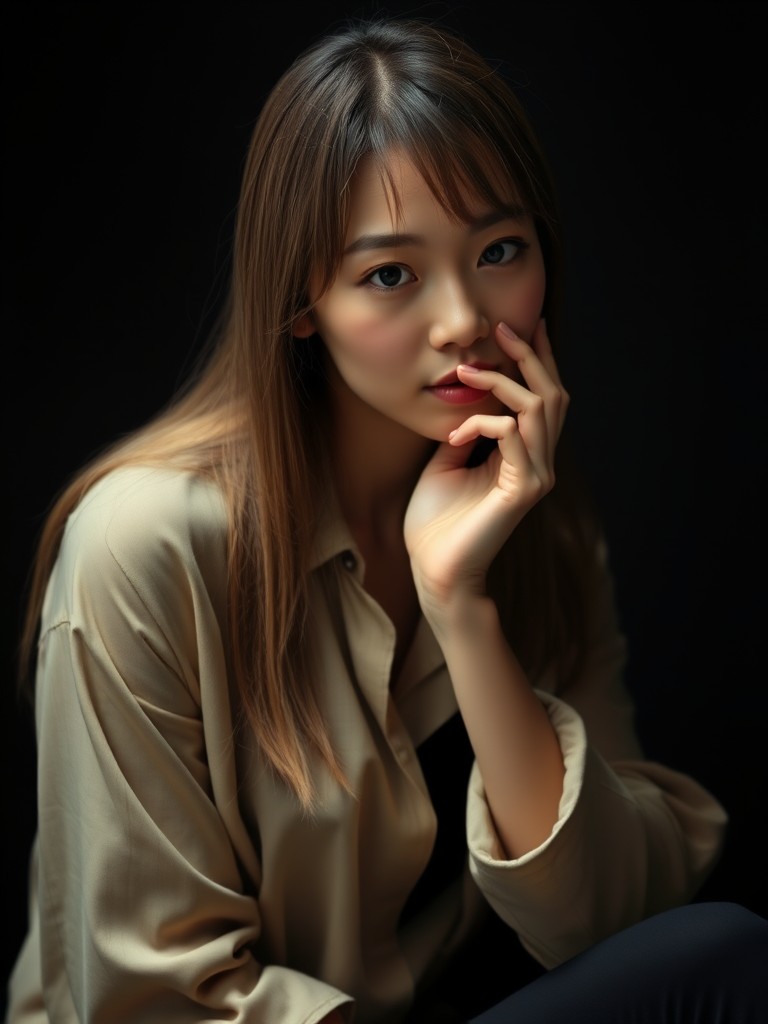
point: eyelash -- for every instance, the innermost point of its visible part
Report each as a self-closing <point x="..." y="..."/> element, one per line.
<point x="518" y="243"/>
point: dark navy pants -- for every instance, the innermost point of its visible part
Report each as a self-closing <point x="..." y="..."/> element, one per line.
<point x="705" y="963"/>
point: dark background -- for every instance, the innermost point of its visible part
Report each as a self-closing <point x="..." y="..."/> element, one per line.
<point x="126" y="127"/>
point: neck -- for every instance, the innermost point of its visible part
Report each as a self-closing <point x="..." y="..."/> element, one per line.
<point x="376" y="465"/>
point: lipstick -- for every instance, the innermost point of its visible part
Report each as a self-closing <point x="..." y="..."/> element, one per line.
<point x="450" y="389"/>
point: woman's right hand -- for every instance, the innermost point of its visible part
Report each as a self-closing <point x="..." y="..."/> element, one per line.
<point x="460" y="516"/>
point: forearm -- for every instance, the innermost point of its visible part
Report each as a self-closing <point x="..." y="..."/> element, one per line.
<point x="517" y="750"/>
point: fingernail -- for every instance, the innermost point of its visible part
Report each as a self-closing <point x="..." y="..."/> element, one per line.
<point x="450" y="436"/>
<point x="506" y="329"/>
<point x="468" y="369"/>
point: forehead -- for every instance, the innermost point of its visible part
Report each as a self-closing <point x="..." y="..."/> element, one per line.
<point x="394" y="190"/>
<point x="386" y="192"/>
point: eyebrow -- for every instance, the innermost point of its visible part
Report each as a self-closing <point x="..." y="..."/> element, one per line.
<point x="512" y="211"/>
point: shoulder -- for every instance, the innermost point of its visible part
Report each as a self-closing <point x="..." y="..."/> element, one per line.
<point x="137" y="494"/>
<point x="138" y="511"/>
<point x="155" y="536"/>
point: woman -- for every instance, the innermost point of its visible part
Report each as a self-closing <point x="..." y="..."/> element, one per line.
<point x="328" y="678"/>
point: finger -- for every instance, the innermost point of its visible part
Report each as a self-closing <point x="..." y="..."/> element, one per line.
<point x="538" y="367"/>
<point x="502" y="429"/>
<point x="542" y="346"/>
<point x="535" y="360"/>
<point x="448" y="456"/>
<point x="543" y="349"/>
<point x="531" y="414"/>
<point x="510" y="392"/>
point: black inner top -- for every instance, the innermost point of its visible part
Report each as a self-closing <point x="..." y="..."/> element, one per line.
<point x="446" y="759"/>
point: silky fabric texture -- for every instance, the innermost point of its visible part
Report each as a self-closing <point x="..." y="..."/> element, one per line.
<point x="174" y="878"/>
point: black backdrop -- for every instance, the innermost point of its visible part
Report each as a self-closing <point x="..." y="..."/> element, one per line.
<point x="126" y="127"/>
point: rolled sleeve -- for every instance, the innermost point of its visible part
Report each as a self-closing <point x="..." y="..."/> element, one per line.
<point x="630" y="839"/>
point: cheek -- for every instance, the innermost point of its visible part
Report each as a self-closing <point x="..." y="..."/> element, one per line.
<point x="527" y="301"/>
<point x="364" y="338"/>
<point x="533" y="301"/>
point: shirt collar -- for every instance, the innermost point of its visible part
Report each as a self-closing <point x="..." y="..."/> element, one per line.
<point x="333" y="535"/>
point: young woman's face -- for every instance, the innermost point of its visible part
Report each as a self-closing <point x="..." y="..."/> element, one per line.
<point x="414" y="298"/>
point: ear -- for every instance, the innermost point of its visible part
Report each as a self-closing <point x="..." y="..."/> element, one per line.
<point x="304" y="326"/>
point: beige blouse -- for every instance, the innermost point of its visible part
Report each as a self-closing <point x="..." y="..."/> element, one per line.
<point x="174" y="879"/>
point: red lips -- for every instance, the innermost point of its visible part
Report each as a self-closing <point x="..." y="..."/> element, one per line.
<point x="452" y="377"/>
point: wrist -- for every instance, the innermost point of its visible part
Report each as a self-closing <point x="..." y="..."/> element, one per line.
<point x="465" y="617"/>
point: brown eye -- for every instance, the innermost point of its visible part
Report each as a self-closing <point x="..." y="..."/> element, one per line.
<point x="390" y="277"/>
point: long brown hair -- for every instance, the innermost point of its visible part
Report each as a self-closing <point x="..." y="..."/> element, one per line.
<point x="245" y="418"/>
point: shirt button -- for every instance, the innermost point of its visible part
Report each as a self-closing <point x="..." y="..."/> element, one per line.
<point x="348" y="560"/>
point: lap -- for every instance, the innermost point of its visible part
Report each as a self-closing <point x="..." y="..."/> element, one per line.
<point x="704" y="963"/>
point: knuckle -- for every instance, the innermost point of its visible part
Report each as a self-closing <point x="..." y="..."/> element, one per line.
<point x="536" y="489"/>
<point x="537" y="405"/>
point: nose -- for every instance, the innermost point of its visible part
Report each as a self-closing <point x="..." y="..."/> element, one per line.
<point x="457" y="318"/>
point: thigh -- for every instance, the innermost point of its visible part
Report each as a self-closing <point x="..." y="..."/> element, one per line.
<point x="705" y="963"/>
